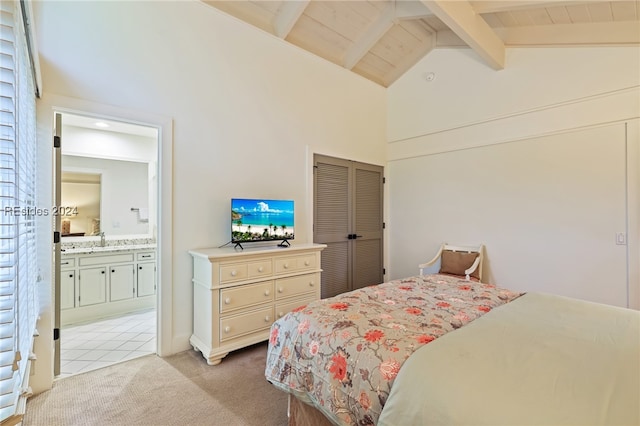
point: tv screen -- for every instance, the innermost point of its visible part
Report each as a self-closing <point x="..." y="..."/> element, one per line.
<point x="261" y="220"/>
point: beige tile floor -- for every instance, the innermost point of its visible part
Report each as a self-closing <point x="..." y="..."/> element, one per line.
<point x="88" y="346"/>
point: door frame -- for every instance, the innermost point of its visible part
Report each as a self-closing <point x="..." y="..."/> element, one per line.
<point x="52" y="104"/>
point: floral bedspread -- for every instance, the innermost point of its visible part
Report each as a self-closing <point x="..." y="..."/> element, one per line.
<point x="342" y="354"/>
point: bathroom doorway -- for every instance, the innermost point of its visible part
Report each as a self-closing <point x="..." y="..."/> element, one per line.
<point x="107" y="187"/>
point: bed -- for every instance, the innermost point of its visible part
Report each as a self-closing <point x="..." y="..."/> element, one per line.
<point x="438" y="349"/>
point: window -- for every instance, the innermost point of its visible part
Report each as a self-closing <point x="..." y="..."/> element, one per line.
<point x="18" y="256"/>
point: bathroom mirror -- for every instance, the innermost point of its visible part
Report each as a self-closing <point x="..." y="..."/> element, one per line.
<point x="80" y="206"/>
<point x="104" y="195"/>
<point x="108" y="179"/>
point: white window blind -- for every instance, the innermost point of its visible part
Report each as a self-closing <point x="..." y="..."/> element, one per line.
<point x="18" y="269"/>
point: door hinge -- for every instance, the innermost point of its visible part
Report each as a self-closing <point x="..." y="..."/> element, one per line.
<point x="56" y="237"/>
<point x="384" y="271"/>
<point x="384" y="225"/>
<point x="56" y="333"/>
<point x="384" y="180"/>
<point x="56" y="141"/>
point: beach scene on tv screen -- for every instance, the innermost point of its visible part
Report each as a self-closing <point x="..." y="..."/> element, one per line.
<point x="259" y="220"/>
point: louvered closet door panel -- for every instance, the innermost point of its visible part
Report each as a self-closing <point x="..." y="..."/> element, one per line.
<point x="335" y="269"/>
<point x="367" y="250"/>
<point x="331" y="222"/>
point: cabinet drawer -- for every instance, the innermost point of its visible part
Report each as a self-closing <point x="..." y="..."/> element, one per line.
<point x="298" y="263"/>
<point x="259" y="269"/>
<point x="286" y="287"/>
<point x="284" y="308"/>
<point x="235" y="272"/>
<point x="67" y="263"/>
<point x="246" y="295"/>
<point x="238" y="325"/>
<point x="151" y="255"/>
<point x="106" y="260"/>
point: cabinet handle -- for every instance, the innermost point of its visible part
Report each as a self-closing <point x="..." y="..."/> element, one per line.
<point x="70" y="275"/>
<point x="64" y="263"/>
<point x="280" y="314"/>
<point x="260" y="269"/>
<point x="113" y="271"/>
<point x="234" y="273"/>
<point x="285" y="266"/>
<point x="311" y="283"/>
<point x="227" y="300"/>
<point x="103" y="271"/>
<point x="266" y="292"/>
<point x="227" y="329"/>
<point x="267" y="319"/>
<point x="307" y="263"/>
<point x="280" y="289"/>
<point x="140" y="267"/>
<point x="145" y="255"/>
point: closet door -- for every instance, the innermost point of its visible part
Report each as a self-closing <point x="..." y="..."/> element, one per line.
<point x="367" y="226"/>
<point x="348" y="219"/>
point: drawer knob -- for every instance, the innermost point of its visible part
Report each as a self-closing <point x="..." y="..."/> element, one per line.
<point x="307" y="263"/>
<point x="234" y="273"/>
<point x="267" y="292"/>
<point x="285" y="266"/>
<point x="260" y="269"/>
<point x="267" y="318"/>
<point x="227" y="329"/>
<point x="280" y="314"/>
<point x="311" y="283"/>
<point x="227" y="300"/>
<point x="280" y="289"/>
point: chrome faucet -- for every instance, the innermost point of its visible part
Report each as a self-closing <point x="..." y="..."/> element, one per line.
<point x="102" y="239"/>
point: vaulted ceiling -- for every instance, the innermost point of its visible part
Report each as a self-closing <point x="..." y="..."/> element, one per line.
<point x="381" y="39"/>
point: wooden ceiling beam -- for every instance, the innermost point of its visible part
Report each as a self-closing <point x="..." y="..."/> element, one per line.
<point x="411" y="10"/>
<point x="287" y="17"/>
<point x="587" y="34"/>
<point x="470" y="27"/>
<point x="493" y="6"/>
<point x="369" y="39"/>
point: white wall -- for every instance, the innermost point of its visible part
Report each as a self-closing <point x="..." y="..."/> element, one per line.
<point x="538" y="161"/>
<point x="247" y="110"/>
<point x="106" y="144"/>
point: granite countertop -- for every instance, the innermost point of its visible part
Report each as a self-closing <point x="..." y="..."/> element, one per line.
<point x="106" y="249"/>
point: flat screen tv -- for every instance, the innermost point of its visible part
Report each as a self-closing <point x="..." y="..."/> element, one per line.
<point x="261" y="220"/>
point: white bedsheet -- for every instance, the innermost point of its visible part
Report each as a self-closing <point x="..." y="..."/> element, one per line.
<point x="539" y="360"/>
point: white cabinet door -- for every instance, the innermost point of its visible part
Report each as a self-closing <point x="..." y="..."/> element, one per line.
<point x="93" y="286"/>
<point x="121" y="282"/>
<point x="67" y="289"/>
<point x="146" y="279"/>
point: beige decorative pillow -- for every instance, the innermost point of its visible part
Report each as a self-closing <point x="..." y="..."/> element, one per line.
<point x="454" y="262"/>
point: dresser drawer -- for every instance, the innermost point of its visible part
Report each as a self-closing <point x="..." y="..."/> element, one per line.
<point x="284" y="308"/>
<point x="260" y="269"/>
<point x="234" y="272"/>
<point x="295" y="264"/>
<point x="238" y="325"/>
<point x="287" y="287"/>
<point x="246" y="295"/>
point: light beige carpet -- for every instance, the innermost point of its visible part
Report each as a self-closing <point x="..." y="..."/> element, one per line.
<point x="177" y="390"/>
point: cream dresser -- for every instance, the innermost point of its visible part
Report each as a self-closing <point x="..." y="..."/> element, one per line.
<point x="238" y="294"/>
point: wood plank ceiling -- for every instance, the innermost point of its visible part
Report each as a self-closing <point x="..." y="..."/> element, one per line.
<point x="381" y="39"/>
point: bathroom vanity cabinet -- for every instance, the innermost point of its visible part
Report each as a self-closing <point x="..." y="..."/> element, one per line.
<point x="100" y="283"/>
